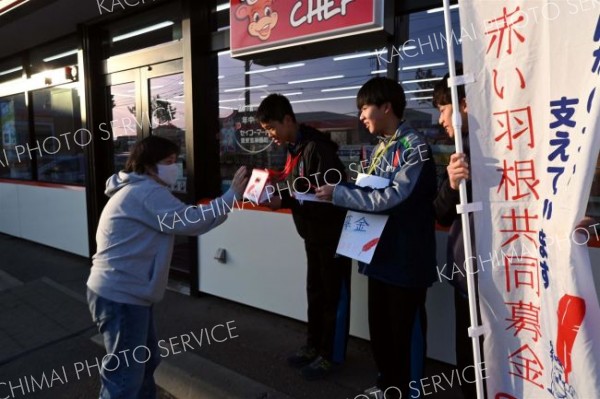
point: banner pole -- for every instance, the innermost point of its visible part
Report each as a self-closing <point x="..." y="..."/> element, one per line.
<point x="475" y="330"/>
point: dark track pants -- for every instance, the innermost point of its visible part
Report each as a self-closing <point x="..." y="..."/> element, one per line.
<point x="398" y="326"/>
<point x="328" y="294"/>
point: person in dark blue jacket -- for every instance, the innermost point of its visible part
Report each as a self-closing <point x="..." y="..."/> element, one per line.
<point x="403" y="265"/>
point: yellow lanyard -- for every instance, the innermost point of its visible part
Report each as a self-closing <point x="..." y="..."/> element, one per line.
<point x="376" y="160"/>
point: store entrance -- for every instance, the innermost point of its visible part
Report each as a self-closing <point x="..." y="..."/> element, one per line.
<point x="146" y="101"/>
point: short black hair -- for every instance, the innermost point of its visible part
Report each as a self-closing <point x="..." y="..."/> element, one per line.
<point x="379" y="91"/>
<point x="274" y="108"/>
<point x="441" y="91"/>
<point x="148" y="152"/>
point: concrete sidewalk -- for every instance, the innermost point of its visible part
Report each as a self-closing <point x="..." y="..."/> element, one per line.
<point x="212" y="348"/>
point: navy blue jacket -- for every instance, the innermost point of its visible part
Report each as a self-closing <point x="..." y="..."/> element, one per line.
<point x="405" y="255"/>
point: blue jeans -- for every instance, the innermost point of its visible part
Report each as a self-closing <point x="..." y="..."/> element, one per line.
<point x="132" y="352"/>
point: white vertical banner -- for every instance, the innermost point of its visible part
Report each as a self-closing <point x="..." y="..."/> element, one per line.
<point x="534" y="123"/>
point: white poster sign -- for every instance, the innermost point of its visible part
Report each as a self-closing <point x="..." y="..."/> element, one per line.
<point x="361" y="231"/>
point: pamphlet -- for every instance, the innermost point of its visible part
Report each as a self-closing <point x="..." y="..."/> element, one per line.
<point x="256" y="189"/>
<point x="361" y="231"/>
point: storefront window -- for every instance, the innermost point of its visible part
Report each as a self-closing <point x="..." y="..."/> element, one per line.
<point x="59" y="137"/>
<point x="14" y="163"/>
<point x="322" y="92"/>
<point x="423" y="62"/>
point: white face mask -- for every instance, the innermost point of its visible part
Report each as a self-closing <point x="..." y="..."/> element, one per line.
<point x="168" y="173"/>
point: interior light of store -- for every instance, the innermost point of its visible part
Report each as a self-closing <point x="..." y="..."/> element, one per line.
<point x="61" y="55"/>
<point x="323" y="99"/>
<point x="223" y="7"/>
<point x="245" y="88"/>
<point x="271" y="69"/>
<point x="296" y="93"/>
<point x="360" y="55"/>
<point x="10" y="71"/>
<point x="341" y="88"/>
<point x="417" y="91"/>
<point x="420" y="98"/>
<point x="292" y="82"/>
<point x="261" y="70"/>
<point x="421" y="80"/>
<point x="142" y="31"/>
<point x="422" y="66"/>
<point x="231" y="100"/>
<point x="288" y="66"/>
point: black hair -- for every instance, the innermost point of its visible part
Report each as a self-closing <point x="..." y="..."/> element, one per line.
<point x="441" y="91"/>
<point x="379" y="91"/>
<point x="274" y="108"/>
<point x="148" y="152"/>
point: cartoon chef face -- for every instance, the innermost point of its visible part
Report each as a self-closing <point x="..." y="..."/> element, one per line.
<point x="262" y="18"/>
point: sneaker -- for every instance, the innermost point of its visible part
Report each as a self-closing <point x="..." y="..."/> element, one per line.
<point x="318" y="369"/>
<point x="302" y="357"/>
<point x="374" y="392"/>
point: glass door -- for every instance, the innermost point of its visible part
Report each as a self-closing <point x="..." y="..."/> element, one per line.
<point x="150" y="101"/>
<point x="164" y="102"/>
<point x="125" y="121"/>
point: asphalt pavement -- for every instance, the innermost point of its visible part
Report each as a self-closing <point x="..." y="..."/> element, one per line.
<point x="211" y="347"/>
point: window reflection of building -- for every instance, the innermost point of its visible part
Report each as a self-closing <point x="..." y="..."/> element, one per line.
<point x="323" y="91"/>
<point x="60" y="142"/>
<point x="14" y="127"/>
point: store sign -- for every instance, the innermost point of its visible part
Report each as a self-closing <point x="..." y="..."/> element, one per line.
<point x="263" y="25"/>
<point x="8" y="5"/>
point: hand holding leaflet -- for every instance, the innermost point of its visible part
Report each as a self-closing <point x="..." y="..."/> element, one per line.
<point x="256" y="189"/>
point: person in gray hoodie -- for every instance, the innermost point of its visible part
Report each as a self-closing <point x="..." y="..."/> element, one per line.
<point x="130" y="269"/>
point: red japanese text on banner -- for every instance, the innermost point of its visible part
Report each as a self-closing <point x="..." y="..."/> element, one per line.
<point x="534" y="139"/>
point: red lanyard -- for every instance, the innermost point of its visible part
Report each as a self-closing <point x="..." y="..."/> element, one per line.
<point x="290" y="164"/>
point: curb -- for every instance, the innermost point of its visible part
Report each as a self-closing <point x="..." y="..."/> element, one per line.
<point x="189" y="376"/>
<point x="8" y="281"/>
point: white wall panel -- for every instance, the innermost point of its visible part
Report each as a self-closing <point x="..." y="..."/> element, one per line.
<point x="53" y="216"/>
<point x="9" y="210"/>
<point x="266" y="268"/>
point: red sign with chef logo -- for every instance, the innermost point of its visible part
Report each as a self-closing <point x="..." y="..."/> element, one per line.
<point x="262" y="25"/>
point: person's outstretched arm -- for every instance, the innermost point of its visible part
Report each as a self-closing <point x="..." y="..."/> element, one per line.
<point x="171" y="216"/>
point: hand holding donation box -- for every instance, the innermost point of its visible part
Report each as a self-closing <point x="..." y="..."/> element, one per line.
<point x="256" y="190"/>
<point x="361" y="231"/>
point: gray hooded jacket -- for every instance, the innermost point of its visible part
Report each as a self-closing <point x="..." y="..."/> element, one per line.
<point x="136" y="234"/>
